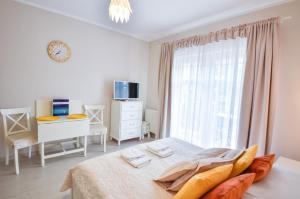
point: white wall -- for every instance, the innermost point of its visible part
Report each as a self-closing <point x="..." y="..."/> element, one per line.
<point x="286" y="137"/>
<point x="99" y="56"/>
<point x="26" y="72"/>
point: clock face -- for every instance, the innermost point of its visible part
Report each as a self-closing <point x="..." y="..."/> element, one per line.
<point x="59" y="51"/>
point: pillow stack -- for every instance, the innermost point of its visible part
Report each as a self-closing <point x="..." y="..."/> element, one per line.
<point x="200" y="183"/>
<point x="229" y="181"/>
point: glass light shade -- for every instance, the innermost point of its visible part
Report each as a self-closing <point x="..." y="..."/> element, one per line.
<point x="120" y="10"/>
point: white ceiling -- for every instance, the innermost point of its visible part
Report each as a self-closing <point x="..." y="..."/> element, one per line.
<point x="153" y="19"/>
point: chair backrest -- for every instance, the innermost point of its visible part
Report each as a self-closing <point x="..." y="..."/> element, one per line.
<point x="95" y="113"/>
<point x="16" y="120"/>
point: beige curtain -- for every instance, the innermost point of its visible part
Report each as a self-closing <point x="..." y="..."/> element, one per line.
<point x="260" y="85"/>
<point x="164" y="91"/>
<point x="259" y="93"/>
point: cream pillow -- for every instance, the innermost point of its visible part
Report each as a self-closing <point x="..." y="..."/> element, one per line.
<point x="244" y="161"/>
<point x="201" y="183"/>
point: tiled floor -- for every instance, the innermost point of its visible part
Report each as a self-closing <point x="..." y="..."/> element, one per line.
<point x="35" y="182"/>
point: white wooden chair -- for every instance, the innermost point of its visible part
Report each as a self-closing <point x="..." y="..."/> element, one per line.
<point x="17" y="132"/>
<point x="95" y="114"/>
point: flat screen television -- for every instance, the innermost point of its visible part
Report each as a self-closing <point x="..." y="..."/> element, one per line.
<point x="124" y="90"/>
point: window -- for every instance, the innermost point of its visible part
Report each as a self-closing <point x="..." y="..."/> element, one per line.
<point x="207" y="84"/>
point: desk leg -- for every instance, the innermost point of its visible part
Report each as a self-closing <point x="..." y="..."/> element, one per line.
<point x="29" y="152"/>
<point x="42" y="153"/>
<point x="6" y="154"/>
<point x="84" y="145"/>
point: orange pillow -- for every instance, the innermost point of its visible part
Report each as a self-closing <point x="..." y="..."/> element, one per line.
<point x="233" y="188"/>
<point x="261" y="166"/>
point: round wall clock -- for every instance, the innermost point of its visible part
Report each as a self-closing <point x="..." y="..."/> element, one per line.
<point x="59" y="51"/>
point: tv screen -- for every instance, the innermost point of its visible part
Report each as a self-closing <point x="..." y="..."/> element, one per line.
<point x="126" y="90"/>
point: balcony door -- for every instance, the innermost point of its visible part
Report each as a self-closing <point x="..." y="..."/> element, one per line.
<point x="207" y="83"/>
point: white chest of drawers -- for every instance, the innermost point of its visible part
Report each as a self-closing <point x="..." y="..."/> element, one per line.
<point x="126" y="120"/>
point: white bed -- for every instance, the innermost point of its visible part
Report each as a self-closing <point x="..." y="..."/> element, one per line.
<point x="110" y="177"/>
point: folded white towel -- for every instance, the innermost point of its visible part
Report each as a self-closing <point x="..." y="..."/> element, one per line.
<point x="132" y="153"/>
<point x="135" y="157"/>
<point x="156" y="146"/>
<point x="139" y="162"/>
<point x="162" y="153"/>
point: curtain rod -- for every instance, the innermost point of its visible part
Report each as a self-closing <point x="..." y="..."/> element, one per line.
<point x="283" y="19"/>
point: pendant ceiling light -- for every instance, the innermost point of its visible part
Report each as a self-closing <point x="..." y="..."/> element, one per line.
<point x="120" y="10"/>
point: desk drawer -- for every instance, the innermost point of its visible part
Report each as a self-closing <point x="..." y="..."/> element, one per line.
<point x="62" y="130"/>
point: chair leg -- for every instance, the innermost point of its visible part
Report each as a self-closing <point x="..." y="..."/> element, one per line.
<point x="16" y="161"/>
<point x="104" y="142"/>
<point x="101" y="138"/>
<point x="6" y="154"/>
<point x="85" y="144"/>
<point x="29" y="152"/>
<point x="77" y="142"/>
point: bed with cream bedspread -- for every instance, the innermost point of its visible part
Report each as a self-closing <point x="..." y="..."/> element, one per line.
<point x="110" y="177"/>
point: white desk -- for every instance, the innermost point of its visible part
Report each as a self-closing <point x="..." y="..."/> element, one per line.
<point x="62" y="129"/>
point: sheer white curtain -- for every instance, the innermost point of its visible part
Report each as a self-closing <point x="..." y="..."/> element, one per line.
<point x="207" y="84"/>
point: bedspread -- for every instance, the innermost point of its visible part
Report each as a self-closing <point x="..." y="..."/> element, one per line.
<point x="110" y="177"/>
